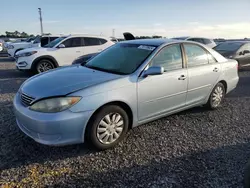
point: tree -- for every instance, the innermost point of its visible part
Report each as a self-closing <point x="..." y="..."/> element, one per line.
<point x="24" y="35"/>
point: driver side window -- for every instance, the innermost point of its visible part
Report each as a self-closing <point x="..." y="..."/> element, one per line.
<point x="170" y="58"/>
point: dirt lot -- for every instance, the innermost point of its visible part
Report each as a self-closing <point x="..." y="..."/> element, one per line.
<point x="195" y="148"/>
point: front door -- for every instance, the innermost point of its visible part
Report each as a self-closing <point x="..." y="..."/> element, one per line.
<point x="203" y="73"/>
<point x="73" y="49"/>
<point x="159" y="94"/>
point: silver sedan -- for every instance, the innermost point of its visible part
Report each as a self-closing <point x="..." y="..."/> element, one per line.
<point x="129" y="84"/>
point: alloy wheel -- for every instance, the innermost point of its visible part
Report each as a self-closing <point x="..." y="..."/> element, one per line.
<point x="217" y="96"/>
<point x="44" y="66"/>
<point x="110" y="128"/>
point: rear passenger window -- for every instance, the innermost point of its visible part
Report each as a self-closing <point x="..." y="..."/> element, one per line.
<point x="88" y="41"/>
<point x="195" y="55"/>
<point x="207" y="41"/>
<point x="73" y="42"/>
<point x="170" y="58"/>
<point x="103" y="41"/>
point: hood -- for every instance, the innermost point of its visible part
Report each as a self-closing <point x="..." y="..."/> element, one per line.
<point x="21" y="43"/>
<point x="62" y="81"/>
<point x="30" y="50"/>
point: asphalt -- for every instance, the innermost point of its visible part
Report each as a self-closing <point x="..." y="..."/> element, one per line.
<point x="194" y="148"/>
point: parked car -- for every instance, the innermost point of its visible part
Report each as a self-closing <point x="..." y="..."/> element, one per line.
<point x="238" y="50"/>
<point x="39" y="41"/>
<point x="209" y="42"/>
<point x="1" y="45"/>
<point x="14" y="47"/>
<point x="129" y="84"/>
<point x="60" y="52"/>
<point x="83" y="58"/>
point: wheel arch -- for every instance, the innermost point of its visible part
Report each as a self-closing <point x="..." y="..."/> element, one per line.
<point x="48" y="57"/>
<point x="121" y="104"/>
<point x="224" y="83"/>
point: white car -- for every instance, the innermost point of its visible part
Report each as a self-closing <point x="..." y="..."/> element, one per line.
<point x="208" y="42"/>
<point x="38" y="42"/>
<point x="60" y="52"/>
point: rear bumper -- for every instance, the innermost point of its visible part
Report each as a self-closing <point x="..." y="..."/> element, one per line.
<point x="232" y="84"/>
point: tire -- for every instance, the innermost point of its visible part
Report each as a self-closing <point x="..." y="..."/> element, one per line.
<point x="215" y="101"/>
<point x="43" y="66"/>
<point x="100" y="129"/>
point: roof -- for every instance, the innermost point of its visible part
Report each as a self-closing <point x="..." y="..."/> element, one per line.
<point x="237" y="41"/>
<point x="153" y="42"/>
<point x="86" y="35"/>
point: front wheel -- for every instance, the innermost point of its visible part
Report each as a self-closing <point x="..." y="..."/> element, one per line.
<point x="216" y="97"/>
<point x="108" y="127"/>
<point x="44" y="65"/>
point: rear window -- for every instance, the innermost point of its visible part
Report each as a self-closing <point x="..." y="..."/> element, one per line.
<point x="228" y="46"/>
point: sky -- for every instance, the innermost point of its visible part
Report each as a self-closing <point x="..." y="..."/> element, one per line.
<point x="168" y="18"/>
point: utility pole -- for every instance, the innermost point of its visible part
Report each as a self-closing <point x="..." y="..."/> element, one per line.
<point x="41" y="21"/>
<point x="113" y="32"/>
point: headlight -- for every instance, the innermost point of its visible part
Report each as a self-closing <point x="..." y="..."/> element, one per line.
<point x="26" y="54"/>
<point x="55" y="104"/>
<point x="10" y="46"/>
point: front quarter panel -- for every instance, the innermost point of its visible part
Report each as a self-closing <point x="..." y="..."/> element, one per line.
<point x="122" y="90"/>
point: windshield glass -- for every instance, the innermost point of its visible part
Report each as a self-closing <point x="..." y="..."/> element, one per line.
<point x="121" y="58"/>
<point x="230" y="47"/>
<point x="37" y="40"/>
<point x="54" y="42"/>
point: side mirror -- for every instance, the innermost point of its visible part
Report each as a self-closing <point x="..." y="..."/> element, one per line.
<point x="154" y="70"/>
<point x="61" y="46"/>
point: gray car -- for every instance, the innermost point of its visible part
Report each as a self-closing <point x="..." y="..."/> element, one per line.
<point x="129" y="84"/>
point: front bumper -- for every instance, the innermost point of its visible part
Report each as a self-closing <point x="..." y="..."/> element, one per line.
<point x="62" y="128"/>
<point x="24" y="63"/>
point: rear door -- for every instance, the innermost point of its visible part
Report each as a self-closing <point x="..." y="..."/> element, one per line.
<point x="93" y="45"/>
<point x="203" y="73"/>
<point x="73" y="49"/>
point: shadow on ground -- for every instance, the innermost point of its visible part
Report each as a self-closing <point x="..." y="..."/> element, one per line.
<point x="209" y="167"/>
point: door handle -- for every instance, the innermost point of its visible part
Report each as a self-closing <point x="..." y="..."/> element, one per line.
<point x="216" y="69"/>
<point x="78" y="51"/>
<point x="182" y="77"/>
<point x="99" y="50"/>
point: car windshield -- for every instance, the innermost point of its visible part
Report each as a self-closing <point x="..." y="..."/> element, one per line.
<point x="121" y="58"/>
<point x="37" y="40"/>
<point x="228" y="46"/>
<point x="54" y="42"/>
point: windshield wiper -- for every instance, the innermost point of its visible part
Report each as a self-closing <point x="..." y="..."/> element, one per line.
<point x="101" y="69"/>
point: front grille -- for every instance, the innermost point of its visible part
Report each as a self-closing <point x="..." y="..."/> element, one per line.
<point x="26" y="100"/>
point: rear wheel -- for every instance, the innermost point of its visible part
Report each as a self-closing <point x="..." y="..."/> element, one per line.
<point x="108" y="127"/>
<point x="216" y="96"/>
<point x="44" y="65"/>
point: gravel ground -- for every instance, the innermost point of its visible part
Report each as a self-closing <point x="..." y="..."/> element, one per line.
<point x="195" y="148"/>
